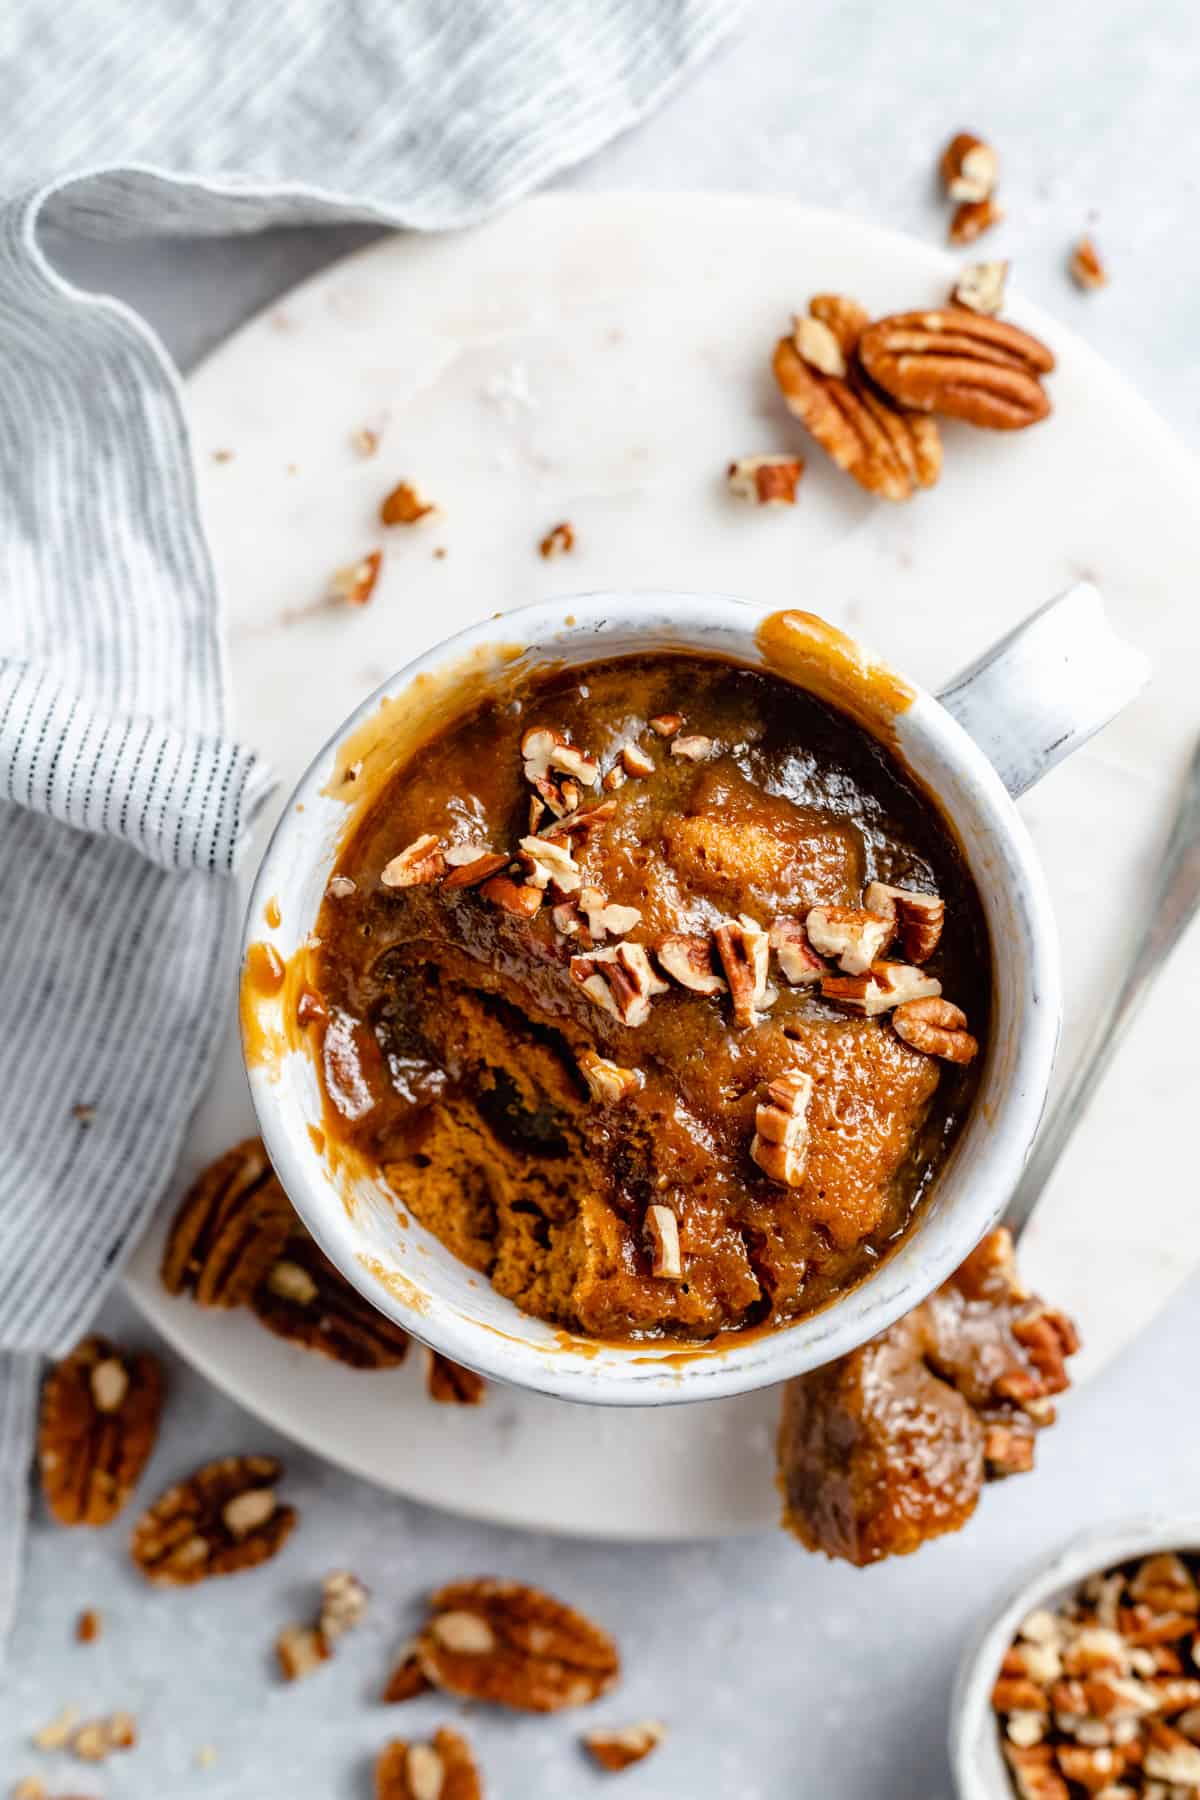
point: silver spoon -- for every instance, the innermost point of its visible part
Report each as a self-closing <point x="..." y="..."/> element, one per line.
<point x="1174" y="902"/>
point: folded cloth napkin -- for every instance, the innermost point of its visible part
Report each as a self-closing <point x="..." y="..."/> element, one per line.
<point x="123" y="803"/>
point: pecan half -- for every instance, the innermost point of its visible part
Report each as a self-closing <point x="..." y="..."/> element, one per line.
<point x="917" y="918"/>
<point x="968" y="167"/>
<point x="744" y="952"/>
<point x="765" y="480"/>
<point x="451" y="1385"/>
<point x="959" y="363"/>
<point x="99" y="1421"/>
<point x="607" y="1081"/>
<point x="404" y="506"/>
<point x="888" y="450"/>
<point x="799" y="963"/>
<point x="441" y="1770"/>
<point x="514" y="1646"/>
<point x="223" y="1519"/>
<point x="972" y="219"/>
<point x="882" y="986"/>
<point x="304" y="1298"/>
<point x="662" y="1234"/>
<point x="230" y="1227"/>
<point x="853" y="936"/>
<point x="416" y="865"/>
<point x="980" y="288"/>
<point x="619" y="1749"/>
<point x="689" y="961"/>
<point x="780" y="1142"/>
<point x="621" y="980"/>
<point x="937" y="1028"/>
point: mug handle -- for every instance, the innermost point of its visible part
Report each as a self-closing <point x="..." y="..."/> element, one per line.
<point x="1047" y="687"/>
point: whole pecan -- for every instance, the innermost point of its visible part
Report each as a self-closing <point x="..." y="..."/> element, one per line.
<point x="99" y="1420"/>
<point x="888" y="450"/>
<point x="224" y="1518"/>
<point x="452" y="1385"/>
<point x="959" y="363"/>
<point x="304" y="1298"/>
<point x="231" y="1226"/>
<point x="441" y="1770"/>
<point x="514" y="1646"/>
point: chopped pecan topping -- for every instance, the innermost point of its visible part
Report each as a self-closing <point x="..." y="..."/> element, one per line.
<point x="1034" y="1773"/>
<point x="916" y="919"/>
<point x="614" y="779"/>
<point x="99" y="1422"/>
<point x="745" y="954"/>
<point x="475" y="873"/>
<point x="545" y="751"/>
<point x="461" y="856"/>
<point x="765" y="480"/>
<point x="1087" y="271"/>
<point x="365" y="441"/>
<point x="799" y="963"/>
<point x="99" y="1738"/>
<point x="972" y="219"/>
<point x="844" y="317"/>
<point x="407" y="1678"/>
<point x="299" y="1651"/>
<point x="341" y="887"/>
<point x="581" y="823"/>
<point x="693" y="749"/>
<point x="884" y="985"/>
<point x="223" y="1519"/>
<point x="607" y="1081"/>
<point x="689" y="961"/>
<point x="665" y="725"/>
<point x="518" y="898"/>
<point x="355" y="583"/>
<point x="344" y="1602"/>
<point x="937" y="1028"/>
<point x="514" y="1646"/>
<point x="636" y="761"/>
<point x="565" y="917"/>
<point x="451" y="1385"/>
<point x="662" y="1233"/>
<point x="404" y="506"/>
<point x="621" y="980"/>
<point x="618" y="1749"/>
<point x="969" y="167"/>
<point x="780" y="1142"/>
<point x="442" y="1770"/>
<point x="959" y="363"/>
<point x="852" y="935"/>
<point x="56" y="1735"/>
<point x="603" y="917"/>
<point x="559" y="541"/>
<point x="887" y="449"/>
<point x="306" y="1299"/>
<point x="231" y="1225"/>
<point x="88" y="1626"/>
<point x="418" y="863"/>
<point x="818" y="345"/>
<point x="550" y="862"/>
<point x="980" y="287"/>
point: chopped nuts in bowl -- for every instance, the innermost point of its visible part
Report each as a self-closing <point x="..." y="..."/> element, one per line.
<point x="1085" y="1681"/>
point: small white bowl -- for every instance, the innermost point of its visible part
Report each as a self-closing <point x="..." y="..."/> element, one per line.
<point x="980" y="1772"/>
<point x="1044" y="690"/>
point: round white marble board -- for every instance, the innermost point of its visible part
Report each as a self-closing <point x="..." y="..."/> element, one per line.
<point x="601" y="359"/>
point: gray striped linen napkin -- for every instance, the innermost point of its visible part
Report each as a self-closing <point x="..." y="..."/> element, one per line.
<point x="123" y="804"/>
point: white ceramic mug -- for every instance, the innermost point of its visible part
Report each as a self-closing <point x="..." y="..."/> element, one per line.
<point x="1013" y="715"/>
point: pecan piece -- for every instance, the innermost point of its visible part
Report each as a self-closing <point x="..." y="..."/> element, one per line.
<point x="441" y="1770"/>
<point x="404" y="506"/>
<point x="545" y="752"/>
<point x="99" y="1421"/>
<point x="1034" y="1773"/>
<point x="558" y="541"/>
<point x="765" y="480"/>
<point x="636" y="761"/>
<point x="744" y="952"/>
<point x="581" y="823"/>
<point x="607" y="1081"/>
<point x="619" y="1749"/>
<point x="223" y="1519"/>
<point x="888" y="450"/>
<point x="604" y="916"/>
<point x="548" y="862"/>
<point x="1165" y="1583"/>
<point x="620" y="980"/>
<point x="300" y="1650"/>
<point x="662" y="1234"/>
<point x="665" y="725"/>
<point x="937" y="1028"/>
<point x="780" y="1142"/>
<point x="407" y="1678"/>
<point x="962" y="364"/>
<point x="968" y="167"/>
<point x="1087" y="271"/>
<point x="355" y="583"/>
<point x="474" y="873"/>
<point x="304" y="1298"/>
<point x="916" y="918"/>
<point x="514" y="1646"/>
<point x="972" y="219"/>
<point x="344" y="1602"/>
<point x="799" y="963"/>
<point x="689" y="961"/>
<point x="884" y="985"/>
<point x="416" y="865"/>
<point x="980" y="288"/>
<point x="231" y="1225"/>
<point x="514" y="897"/>
<point x="693" y="748"/>
<point x="853" y="936"/>
<point x="451" y="1385"/>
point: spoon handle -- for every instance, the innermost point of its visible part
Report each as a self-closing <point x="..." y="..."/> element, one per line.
<point x="1174" y="902"/>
